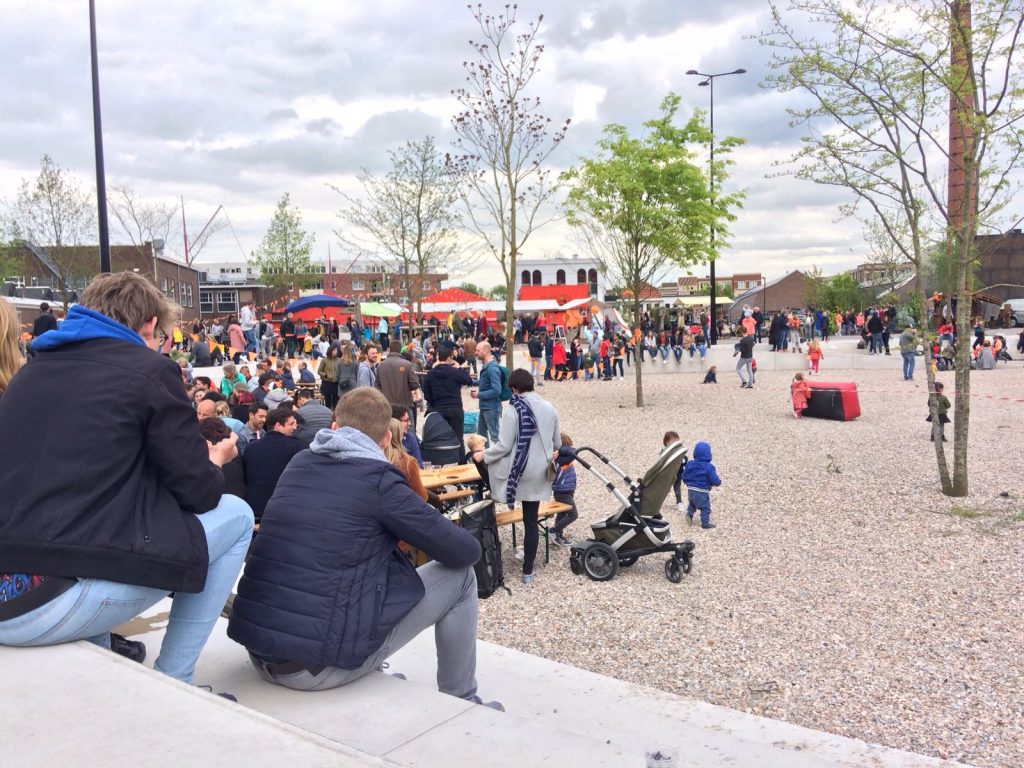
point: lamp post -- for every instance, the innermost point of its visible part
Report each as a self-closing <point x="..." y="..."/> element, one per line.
<point x="709" y="80"/>
<point x="101" y="184"/>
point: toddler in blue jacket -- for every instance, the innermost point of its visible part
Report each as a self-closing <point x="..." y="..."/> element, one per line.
<point x="564" y="489"/>
<point x="700" y="476"/>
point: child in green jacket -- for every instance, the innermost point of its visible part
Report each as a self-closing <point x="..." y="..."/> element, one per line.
<point x="942" y="404"/>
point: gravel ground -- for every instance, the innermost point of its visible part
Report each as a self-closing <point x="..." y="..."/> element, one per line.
<point x="841" y="591"/>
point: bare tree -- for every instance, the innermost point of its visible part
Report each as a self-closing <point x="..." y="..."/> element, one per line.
<point x="503" y="141"/>
<point x="140" y="221"/>
<point x="409" y="217"/>
<point x="54" y="215"/>
<point x="893" y="88"/>
<point x="885" y="252"/>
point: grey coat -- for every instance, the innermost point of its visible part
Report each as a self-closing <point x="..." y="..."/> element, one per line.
<point x="534" y="484"/>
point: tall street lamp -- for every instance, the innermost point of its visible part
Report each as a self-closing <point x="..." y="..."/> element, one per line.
<point x="709" y="80"/>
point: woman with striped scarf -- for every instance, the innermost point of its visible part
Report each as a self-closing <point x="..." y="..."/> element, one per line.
<point x="517" y="462"/>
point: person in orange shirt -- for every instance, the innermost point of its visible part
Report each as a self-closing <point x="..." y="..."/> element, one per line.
<point x="799" y="391"/>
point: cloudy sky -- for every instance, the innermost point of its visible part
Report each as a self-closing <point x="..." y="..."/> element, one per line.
<point x="234" y="104"/>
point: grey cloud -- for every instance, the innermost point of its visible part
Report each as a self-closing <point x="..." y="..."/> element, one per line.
<point x="325" y="126"/>
<point x="280" y="115"/>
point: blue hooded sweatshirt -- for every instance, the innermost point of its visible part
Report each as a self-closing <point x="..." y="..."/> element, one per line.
<point x="700" y="473"/>
<point x="84" y="324"/>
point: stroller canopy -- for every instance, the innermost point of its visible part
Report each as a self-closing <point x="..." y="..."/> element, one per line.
<point x="655" y="485"/>
<point x="440" y="444"/>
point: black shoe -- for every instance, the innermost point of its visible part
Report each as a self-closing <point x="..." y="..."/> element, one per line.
<point x="560" y="540"/>
<point x="709" y="525"/>
<point x="222" y="694"/>
<point x="130" y="649"/>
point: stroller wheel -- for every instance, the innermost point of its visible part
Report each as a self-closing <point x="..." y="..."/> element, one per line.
<point x="600" y="561"/>
<point x="625" y="562"/>
<point x="673" y="572"/>
<point x="576" y="563"/>
<point x="687" y="564"/>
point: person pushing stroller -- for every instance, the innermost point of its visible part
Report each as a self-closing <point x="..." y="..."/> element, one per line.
<point x="700" y="476"/>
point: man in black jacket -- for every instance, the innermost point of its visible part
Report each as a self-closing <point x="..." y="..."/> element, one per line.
<point x="327" y="596"/>
<point x="442" y="389"/>
<point x="45" y="322"/>
<point x="266" y="459"/>
<point x="134" y="508"/>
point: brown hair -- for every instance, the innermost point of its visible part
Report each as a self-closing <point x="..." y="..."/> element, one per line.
<point x="10" y="353"/>
<point x="566" y="440"/>
<point x="365" y="409"/>
<point x="131" y="300"/>
<point x="670" y="437"/>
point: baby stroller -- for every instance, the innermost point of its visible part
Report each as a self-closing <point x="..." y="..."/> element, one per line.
<point x="637" y="529"/>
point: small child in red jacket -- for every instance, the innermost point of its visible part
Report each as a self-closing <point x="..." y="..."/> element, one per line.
<point x="799" y="390"/>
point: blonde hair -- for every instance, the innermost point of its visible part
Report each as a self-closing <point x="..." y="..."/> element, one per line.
<point x="230" y="371"/>
<point x="395" y="450"/>
<point x="223" y="409"/>
<point x="365" y="409"/>
<point x="131" y="300"/>
<point x="10" y="352"/>
<point x="473" y="442"/>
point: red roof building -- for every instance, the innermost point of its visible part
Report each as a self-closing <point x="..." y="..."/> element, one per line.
<point x="453" y="296"/>
<point x="560" y="293"/>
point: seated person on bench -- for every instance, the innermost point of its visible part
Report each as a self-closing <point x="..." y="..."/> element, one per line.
<point x="326" y="596"/>
<point x="110" y="496"/>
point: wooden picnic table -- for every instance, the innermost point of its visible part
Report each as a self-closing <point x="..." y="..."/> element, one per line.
<point x="453" y="474"/>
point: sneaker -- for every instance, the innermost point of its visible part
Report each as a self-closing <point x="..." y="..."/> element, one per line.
<point x="561" y="541"/>
<point x="222" y="694"/>
<point x="709" y="525"/>
<point x="681" y="507"/>
<point x="520" y="553"/>
<point x="492" y="704"/>
<point x="130" y="649"/>
<point x="527" y="579"/>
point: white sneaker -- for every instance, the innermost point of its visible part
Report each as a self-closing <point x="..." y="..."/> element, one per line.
<point x="681" y="507"/>
<point x="520" y="553"/>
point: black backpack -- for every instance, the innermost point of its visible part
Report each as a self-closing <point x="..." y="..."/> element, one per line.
<point x="479" y="520"/>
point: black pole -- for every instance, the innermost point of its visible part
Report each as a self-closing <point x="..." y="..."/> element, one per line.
<point x="101" y="184"/>
<point x="713" y="336"/>
<point x="709" y="80"/>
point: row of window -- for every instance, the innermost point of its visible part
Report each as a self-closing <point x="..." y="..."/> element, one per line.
<point x="181" y="293"/>
<point x="582" y="276"/>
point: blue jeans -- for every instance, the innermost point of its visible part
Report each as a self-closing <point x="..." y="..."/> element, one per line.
<point x="449" y="605"/>
<point x="908" y="365"/>
<point x="93" y="607"/>
<point x="876" y="342"/>
<point x="252" y="343"/>
<point x="678" y="352"/>
<point x="487" y="424"/>
<point x="699" y="500"/>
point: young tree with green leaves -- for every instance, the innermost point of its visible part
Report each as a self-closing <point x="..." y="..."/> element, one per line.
<point x="283" y="256"/>
<point x="906" y="96"/>
<point x="502" y="142"/>
<point x="644" y="204"/>
<point x="409" y="217"/>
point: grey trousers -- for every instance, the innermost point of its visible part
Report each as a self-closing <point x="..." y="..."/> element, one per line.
<point x="745" y="364"/>
<point x="449" y="606"/>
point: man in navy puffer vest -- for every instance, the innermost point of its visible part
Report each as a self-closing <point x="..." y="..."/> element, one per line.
<point x="326" y="595"/>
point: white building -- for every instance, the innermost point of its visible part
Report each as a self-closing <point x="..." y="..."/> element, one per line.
<point x="561" y="271"/>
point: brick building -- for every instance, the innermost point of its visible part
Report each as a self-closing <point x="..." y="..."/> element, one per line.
<point x="788" y="291"/>
<point x="45" y="267"/>
<point x="1002" y="261"/>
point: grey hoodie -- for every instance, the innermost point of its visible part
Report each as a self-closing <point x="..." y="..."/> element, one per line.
<point x="346" y="443"/>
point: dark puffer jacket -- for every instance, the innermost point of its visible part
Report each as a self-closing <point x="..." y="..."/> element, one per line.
<point x="325" y="583"/>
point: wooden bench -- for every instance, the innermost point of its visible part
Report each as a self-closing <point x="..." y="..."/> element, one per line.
<point x="547" y="509"/>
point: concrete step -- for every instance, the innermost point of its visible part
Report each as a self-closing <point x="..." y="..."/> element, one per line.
<point x="556" y="715"/>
